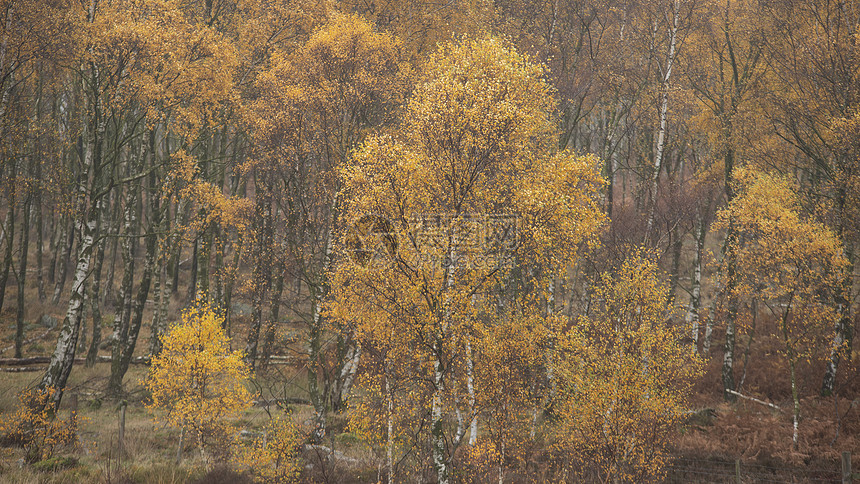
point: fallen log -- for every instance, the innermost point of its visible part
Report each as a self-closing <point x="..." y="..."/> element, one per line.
<point x="26" y="342"/>
<point x="35" y="360"/>
<point x="753" y="399"/>
<point x="21" y="369"/>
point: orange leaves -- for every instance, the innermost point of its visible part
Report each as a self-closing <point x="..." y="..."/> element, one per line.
<point x="217" y="208"/>
<point x="34" y="426"/>
<point x="272" y="458"/>
<point x="627" y="379"/>
<point x="324" y="97"/>
<point x="149" y="52"/>
<point x="196" y="378"/>
<point x="482" y="108"/>
<point x="793" y="265"/>
<point x="476" y="198"/>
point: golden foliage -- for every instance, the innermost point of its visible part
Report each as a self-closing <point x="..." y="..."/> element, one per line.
<point x="786" y="261"/>
<point x="626" y="379"/>
<point x="272" y="458"/>
<point x="323" y="97"/>
<point x="476" y="149"/>
<point x="196" y="378"/>
<point x="36" y="428"/>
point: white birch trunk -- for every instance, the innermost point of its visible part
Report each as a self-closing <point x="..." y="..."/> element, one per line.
<point x="696" y="296"/>
<point x="349" y="370"/>
<point x="63" y="357"/>
<point x="664" y="107"/>
<point x="440" y="461"/>
<point x="470" y="386"/>
<point x="389" y="417"/>
<point x="60" y="367"/>
<point x="709" y="330"/>
<point x="318" y="399"/>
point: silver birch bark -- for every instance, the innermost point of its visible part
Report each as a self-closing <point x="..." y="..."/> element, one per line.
<point x="349" y="370"/>
<point x="664" y="107"/>
<point x="389" y="446"/>
<point x="130" y="218"/>
<point x="95" y="294"/>
<point x="63" y="357"/>
<point x="318" y="395"/>
<point x="124" y="348"/>
<point x="437" y="432"/>
<point x="470" y="387"/>
<point x="696" y="292"/>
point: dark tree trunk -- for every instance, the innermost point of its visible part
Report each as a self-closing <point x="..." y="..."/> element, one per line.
<point x="95" y="293"/>
<point x="9" y="231"/>
<point x="68" y="241"/>
<point x="22" y="277"/>
<point x="40" y="270"/>
<point x="262" y="268"/>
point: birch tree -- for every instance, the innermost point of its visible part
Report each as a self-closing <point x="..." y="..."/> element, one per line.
<point x="793" y="266"/>
<point x="477" y="140"/>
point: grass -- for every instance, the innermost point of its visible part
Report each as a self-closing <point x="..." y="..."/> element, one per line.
<point x="150" y="447"/>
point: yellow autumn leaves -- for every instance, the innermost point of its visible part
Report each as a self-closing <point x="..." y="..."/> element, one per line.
<point x="196" y="378"/>
<point x="454" y="342"/>
<point x="200" y="383"/>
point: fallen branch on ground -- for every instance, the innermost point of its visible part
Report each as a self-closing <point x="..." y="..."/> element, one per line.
<point x="753" y="399"/>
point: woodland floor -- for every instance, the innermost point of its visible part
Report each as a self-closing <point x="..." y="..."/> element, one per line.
<point x="716" y="436"/>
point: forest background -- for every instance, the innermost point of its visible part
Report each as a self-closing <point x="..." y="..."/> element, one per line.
<point x="696" y="167"/>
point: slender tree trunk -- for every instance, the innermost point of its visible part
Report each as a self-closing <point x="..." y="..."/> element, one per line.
<point x="677" y="245"/>
<point x="274" y="314"/>
<point x="63" y="358"/>
<point x="841" y="344"/>
<point x="64" y="355"/>
<point x="229" y="283"/>
<point x="68" y="240"/>
<point x="319" y="395"/>
<point x="389" y="421"/>
<point x="22" y="276"/>
<point x="171" y="257"/>
<point x="162" y="292"/>
<point x="709" y="330"/>
<point x="9" y="230"/>
<point x="40" y="270"/>
<point x="82" y="338"/>
<point x="57" y="236"/>
<point x="89" y="185"/>
<point x="470" y="388"/>
<point x="730" y="248"/>
<point x="351" y="360"/>
<point x="842" y="333"/>
<point x="182" y="215"/>
<point x="95" y="292"/>
<point x="664" y="107"/>
<point x="108" y="296"/>
<point x="262" y="268"/>
<point x="437" y="433"/>
<point x="796" y="400"/>
<point x="792" y="362"/>
<point x="696" y="293"/>
<point x="192" y="279"/>
<point x="124" y="348"/>
<point x="438" y="444"/>
<point x="130" y="217"/>
<point x="204" y="256"/>
<point x="159" y="313"/>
